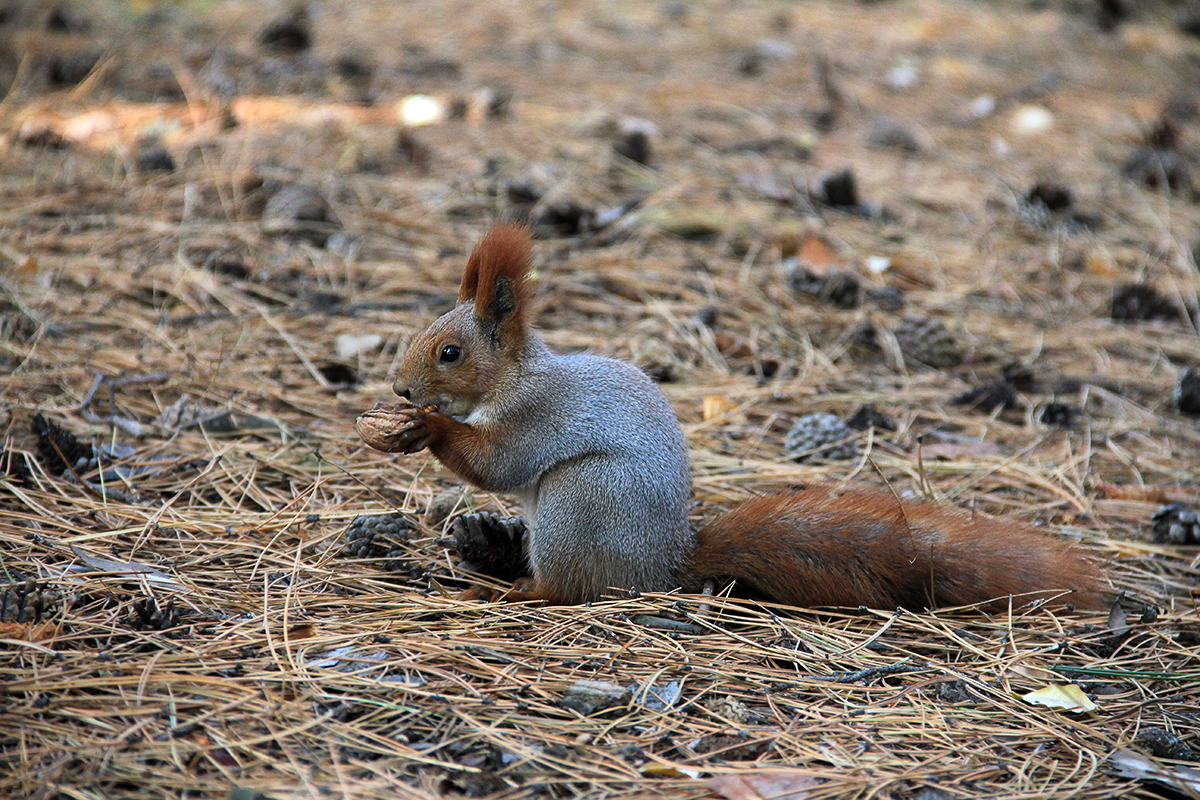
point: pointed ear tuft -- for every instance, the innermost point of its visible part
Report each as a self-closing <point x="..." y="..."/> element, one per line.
<point x="495" y="277"/>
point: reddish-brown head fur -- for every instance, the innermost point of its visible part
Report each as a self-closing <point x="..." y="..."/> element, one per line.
<point x="460" y="358"/>
<point x="495" y="276"/>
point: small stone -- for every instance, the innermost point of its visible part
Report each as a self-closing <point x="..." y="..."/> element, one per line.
<point x="634" y="145"/>
<point x="1158" y="168"/>
<point x="877" y="265"/>
<point x="1055" y="197"/>
<point x="821" y="436"/>
<point x="418" y="110"/>
<point x="298" y="212"/>
<point x="867" y="416"/>
<point x="1176" y="524"/>
<point x="888" y="132"/>
<point x="990" y="397"/>
<point x="297" y="203"/>
<point x="1059" y="415"/>
<point x="1187" y="392"/>
<point x="70" y="69"/>
<point x="1139" y="302"/>
<point x="289" y="34"/>
<point x="983" y="106"/>
<point x="589" y="697"/>
<point x="904" y="75"/>
<point x="1031" y="120"/>
<point x="154" y="158"/>
<point x="443" y="505"/>
<point x="840" y="190"/>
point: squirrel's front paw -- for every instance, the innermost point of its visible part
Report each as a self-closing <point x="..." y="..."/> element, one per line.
<point x="395" y="429"/>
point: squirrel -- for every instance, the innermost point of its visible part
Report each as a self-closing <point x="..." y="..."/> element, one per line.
<point x="595" y="455"/>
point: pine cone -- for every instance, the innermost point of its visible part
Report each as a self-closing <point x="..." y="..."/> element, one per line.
<point x="1176" y="524"/>
<point x="926" y="340"/>
<point x="148" y="616"/>
<point x="59" y="450"/>
<point x="379" y="536"/>
<point x="29" y="602"/>
<point x="821" y="436"/>
<point x="491" y="544"/>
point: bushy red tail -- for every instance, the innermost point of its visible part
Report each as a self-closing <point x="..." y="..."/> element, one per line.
<point x="865" y="548"/>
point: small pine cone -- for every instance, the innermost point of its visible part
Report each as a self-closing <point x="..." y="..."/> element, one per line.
<point x="1163" y="744"/>
<point x="29" y="602"/>
<point x="491" y="544"/>
<point x="379" y="536"/>
<point x="148" y="616"/>
<point x="821" y="436"/>
<point x="926" y="339"/>
<point x="1176" y="524"/>
<point x="58" y="449"/>
<point x="841" y="289"/>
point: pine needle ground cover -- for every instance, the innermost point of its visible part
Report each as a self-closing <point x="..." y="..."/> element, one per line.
<point x="964" y="234"/>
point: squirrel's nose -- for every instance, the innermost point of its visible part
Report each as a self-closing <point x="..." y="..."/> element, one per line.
<point x="401" y="390"/>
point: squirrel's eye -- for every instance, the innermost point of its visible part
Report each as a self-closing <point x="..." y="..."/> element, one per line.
<point x="450" y="354"/>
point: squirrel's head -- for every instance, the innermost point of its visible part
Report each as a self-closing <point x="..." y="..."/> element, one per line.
<point x="455" y="362"/>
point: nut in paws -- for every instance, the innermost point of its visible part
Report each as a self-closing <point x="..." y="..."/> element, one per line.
<point x="395" y="429"/>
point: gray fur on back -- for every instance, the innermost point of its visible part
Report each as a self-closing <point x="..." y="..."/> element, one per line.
<point x="606" y="500"/>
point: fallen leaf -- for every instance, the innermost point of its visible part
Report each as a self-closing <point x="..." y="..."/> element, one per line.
<point x="1136" y="765"/>
<point x="300" y="631"/>
<point x="1118" y="620"/>
<point x="715" y="405"/>
<point x="966" y="449"/>
<point x="656" y="769"/>
<point x="1148" y="494"/>
<point x="101" y="564"/>
<point x="1033" y="673"/>
<point x="419" y="110"/>
<point x="763" y="784"/>
<point x="1065" y="696"/>
<point x="816" y="252"/>
<point x="350" y="345"/>
<point x="1102" y="267"/>
<point x="27" y="632"/>
<point x="878" y="264"/>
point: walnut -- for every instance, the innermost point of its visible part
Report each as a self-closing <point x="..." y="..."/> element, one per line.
<point x="388" y="429"/>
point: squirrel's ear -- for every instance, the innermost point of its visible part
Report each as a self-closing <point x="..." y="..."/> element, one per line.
<point x="495" y="279"/>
